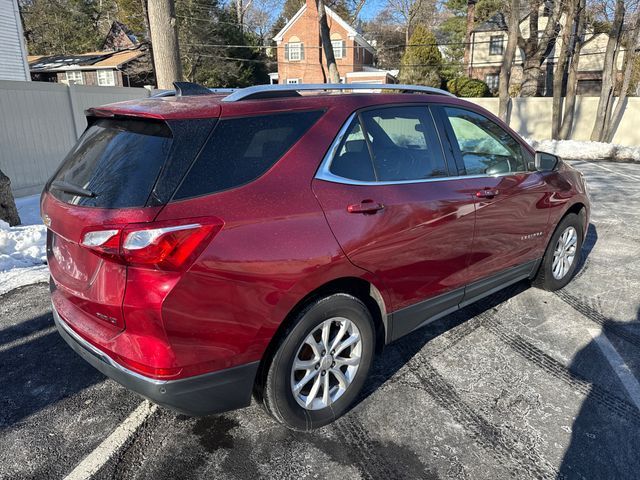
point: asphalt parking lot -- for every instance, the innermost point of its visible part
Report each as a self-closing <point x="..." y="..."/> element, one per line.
<point x="525" y="384"/>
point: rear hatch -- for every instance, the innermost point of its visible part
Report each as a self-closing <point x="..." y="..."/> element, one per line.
<point x="121" y="172"/>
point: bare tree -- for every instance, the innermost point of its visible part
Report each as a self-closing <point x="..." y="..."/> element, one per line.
<point x="536" y="48"/>
<point x="580" y="22"/>
<point x="508" y="58"/>
<point x="630" y="57"/>
<point x="609" y="71"/>
<point x="471" y="12"/>
<point x="164" y="37"/>
<point x="259" y="18"/>
<point x="241" y="9"/>
<point x="8" y="210"/>
<point x="325" y="39"/>
<point x="566" y="47"/>
<point x="406" y="13"/>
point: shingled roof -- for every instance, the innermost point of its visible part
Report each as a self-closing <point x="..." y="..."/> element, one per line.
<point x="497" y="23"/>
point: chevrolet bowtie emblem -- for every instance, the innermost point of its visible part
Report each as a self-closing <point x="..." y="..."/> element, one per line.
<point x="47" y="220"/>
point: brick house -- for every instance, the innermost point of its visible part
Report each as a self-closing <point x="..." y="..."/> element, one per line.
<point x="489" y="41"/>
<point x="300" y="56"/>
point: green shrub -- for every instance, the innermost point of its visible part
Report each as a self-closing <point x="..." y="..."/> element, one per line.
<point x="468" y="87"/>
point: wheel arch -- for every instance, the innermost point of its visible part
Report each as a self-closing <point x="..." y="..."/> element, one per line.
<point x="579" y="209"/>
<point x="359" y="288"/>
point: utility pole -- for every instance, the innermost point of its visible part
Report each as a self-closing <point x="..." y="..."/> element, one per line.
<point x="164" y="39"/>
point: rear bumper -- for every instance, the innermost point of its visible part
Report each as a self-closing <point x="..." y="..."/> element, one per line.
<point x="214" y="392"/>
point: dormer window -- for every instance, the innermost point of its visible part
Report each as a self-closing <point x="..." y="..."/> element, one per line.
<point x="496" y="46"/>
<point x="294" y="50"/>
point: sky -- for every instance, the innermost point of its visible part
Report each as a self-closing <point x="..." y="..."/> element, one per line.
<point x="370" y="9"/>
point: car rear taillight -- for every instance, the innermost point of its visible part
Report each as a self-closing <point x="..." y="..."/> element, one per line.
<point x="162" y="245"/>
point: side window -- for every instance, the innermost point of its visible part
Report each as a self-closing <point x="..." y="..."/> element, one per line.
<point x="389" y="145"/>
<point x="485" y="147"/>
<point x="241" y="149"/>
<point x="404" y="144"/>
<point x="352" y="159"/>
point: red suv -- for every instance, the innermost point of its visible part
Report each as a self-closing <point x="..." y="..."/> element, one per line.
<point x="207" y="245"/>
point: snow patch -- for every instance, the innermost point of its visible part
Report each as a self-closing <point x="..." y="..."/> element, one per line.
<point x="585" y="150"/>
<point x="23" y="251"/>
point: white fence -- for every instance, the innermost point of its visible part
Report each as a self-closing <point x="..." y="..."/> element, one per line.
<point x="531" y="118"/>
<point x="40" y="122"/>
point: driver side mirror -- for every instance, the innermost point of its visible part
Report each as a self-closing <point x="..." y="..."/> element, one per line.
<point x="546" y="162"/>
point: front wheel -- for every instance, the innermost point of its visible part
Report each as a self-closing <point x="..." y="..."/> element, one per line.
<point x="321" y="364"/>
<point x="562" y="256"/>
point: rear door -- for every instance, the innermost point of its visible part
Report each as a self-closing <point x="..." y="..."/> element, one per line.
<point x="511" y="200"/>
<point x="389" y="198"/>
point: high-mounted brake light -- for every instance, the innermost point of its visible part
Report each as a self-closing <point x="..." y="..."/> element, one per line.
<point x="162" y="245"/>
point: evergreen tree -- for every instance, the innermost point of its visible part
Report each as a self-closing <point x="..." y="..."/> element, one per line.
<point x="422" y="62"/>
<point x="215" y="50"/>
<point x="55" y="27"/>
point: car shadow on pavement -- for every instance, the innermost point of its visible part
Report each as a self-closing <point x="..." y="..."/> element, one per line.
<point x="589" y="242"/>
<point x="605" y="433"/>
<point x="38" y="371"/>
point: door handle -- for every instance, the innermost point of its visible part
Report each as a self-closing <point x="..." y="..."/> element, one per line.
<point x="366" y="207"/>
<point x="487" y="193"/>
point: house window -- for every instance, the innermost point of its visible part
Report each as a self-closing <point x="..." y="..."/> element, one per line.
<point x="493" y="81"/>
<point x="106" y="78"/>
<point x="339" y="49"/>
<point x="496" y="46"/>
<point x="294" y="51"/>
<point x="293" y="81"/>
<point x="74" y="78"/>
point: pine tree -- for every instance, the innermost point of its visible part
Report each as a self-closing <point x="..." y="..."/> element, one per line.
<point x="422" y="62"/>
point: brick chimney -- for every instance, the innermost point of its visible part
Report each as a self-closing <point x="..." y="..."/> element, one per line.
<point x="311" y="6"/>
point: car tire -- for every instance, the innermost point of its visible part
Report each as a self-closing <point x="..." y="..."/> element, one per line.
<point x="295" y="390"/>
<point x="562" y="256"/>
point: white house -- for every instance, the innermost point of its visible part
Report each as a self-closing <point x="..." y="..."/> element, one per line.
<point x="13" y="52"/>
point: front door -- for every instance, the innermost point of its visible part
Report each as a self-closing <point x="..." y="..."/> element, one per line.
<point x="511" y="200"/>
<point x="389" y="198"/>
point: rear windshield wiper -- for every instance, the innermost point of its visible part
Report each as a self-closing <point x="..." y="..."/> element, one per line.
<point x="71" y="188"/>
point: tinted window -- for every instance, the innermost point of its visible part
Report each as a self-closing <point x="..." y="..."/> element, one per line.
<point x="117" y="160"/>
<point x="485" y="147"/>
<point x="352" y="159"/>
<point x="404" y="144"/>
<point x="240" y="150"/>
<point x="402" y="141"/>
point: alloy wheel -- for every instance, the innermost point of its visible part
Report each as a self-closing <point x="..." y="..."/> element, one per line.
<point x="564" y="253"/>
<point x="326" y="363"/>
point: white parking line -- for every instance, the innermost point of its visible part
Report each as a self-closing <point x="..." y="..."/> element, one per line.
<point x="629" y="382"/>
<point x="103" y="452"/>
<point x="632" y="177"/>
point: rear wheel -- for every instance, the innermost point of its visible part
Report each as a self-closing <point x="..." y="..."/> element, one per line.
<point x="322" y="363"/>
<point x="562" y="256"/>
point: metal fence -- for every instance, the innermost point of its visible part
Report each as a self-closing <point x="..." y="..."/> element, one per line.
<point x="40" y="122"/>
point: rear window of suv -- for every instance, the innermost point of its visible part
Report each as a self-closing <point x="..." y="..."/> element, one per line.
<point x="242" y="149"/>
<point x="116" y="162"/>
